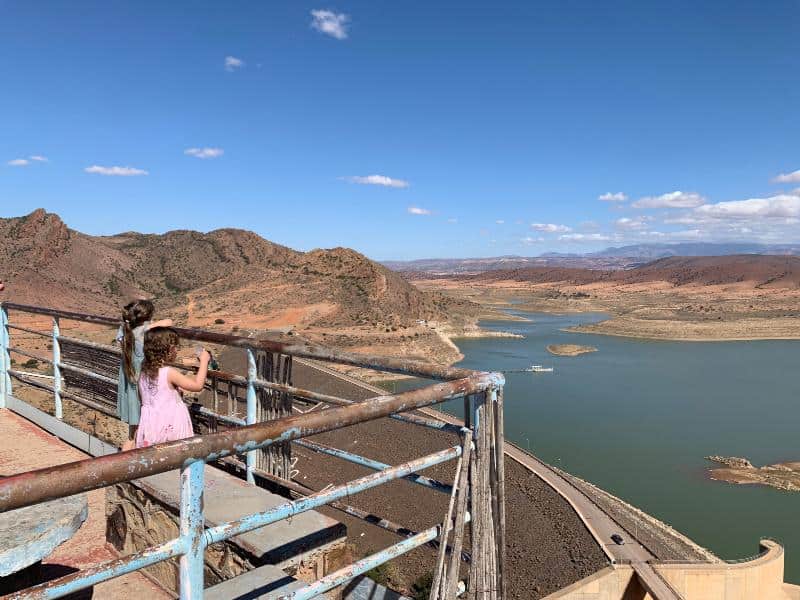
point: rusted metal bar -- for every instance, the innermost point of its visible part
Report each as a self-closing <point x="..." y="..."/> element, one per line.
<point x="377" y="363"/>
<point x="21" y="376"/>
<point x="26" y="330"/>
<point x="59" y="414"/>
<point x="95" y="345"/>
<point x="373" y="464"/>
<point x="87" y="373"/>
<point x="85" y="578"/>
<point x="29" y="355"/>
<point x="289" y="509"/>
<point x="347" y="573"/>
<point x="5" y="357"/>
<point x="300" y="490"/>
<point x="251" y="409"/>
<point x="191" y="531"/>
<point x="72" y="478"/>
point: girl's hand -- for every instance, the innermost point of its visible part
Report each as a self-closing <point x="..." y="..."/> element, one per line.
<point x="204" y="357"/>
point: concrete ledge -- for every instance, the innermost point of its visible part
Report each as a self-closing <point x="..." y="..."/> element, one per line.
<point x="286" y="543"/>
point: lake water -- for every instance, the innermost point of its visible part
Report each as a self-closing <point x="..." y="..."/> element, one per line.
<point x="637" y="417"/>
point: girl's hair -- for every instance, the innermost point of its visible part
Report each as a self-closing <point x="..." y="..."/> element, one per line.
<point x="134" y="314"/>
<point x="159" y="344"/>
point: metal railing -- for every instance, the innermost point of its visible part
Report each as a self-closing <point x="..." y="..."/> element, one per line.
<point x="476" y="510"/>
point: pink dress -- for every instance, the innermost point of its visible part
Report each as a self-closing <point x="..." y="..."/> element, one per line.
<point x="164" y="415"/>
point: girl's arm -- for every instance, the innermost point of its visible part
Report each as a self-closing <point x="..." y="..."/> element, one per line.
<point x="192" y="383"/>
<point x="160" y="323"/>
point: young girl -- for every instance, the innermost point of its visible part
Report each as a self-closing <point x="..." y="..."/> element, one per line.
<point x="135" y="322"/>
<point x="164" y="415"/>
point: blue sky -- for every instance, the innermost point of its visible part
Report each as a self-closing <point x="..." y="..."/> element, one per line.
<point x="407" y="129"/>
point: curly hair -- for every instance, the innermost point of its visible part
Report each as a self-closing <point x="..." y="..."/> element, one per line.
<point x="159" y="345"/>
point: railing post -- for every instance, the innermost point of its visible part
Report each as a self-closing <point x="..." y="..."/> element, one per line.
<point x="251" y="409"/>
<point x="57" y="369"/>
<point x="192" y="530"/>
<point x="5" y="358"/>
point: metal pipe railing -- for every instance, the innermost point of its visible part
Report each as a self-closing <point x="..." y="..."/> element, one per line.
<point x="82" y="476"/>
<point x="477" y="477"/>
<point x="378" y="363"/>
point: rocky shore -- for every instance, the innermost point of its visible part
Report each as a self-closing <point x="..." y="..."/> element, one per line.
<point x="782" y="476"/>
<point x="570" y="349"/>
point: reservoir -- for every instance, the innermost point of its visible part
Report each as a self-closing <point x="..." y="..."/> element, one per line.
<point x="638" y="416"/>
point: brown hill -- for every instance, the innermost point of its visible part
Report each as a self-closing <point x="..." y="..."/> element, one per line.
<point x="201" y="276"/>
<point x="757" y="270"/>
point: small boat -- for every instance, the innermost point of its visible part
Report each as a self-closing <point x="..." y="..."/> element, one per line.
<point x="539" y="369"/>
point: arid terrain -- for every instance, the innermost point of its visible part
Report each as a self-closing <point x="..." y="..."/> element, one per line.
<point x="231" y="279"/>
<point x="783" y="476"/>
<point x="680" y="298"/>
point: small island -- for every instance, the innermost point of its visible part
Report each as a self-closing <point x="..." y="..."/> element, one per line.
<point x="569" y="349"/>
<point x="783" y="476"/>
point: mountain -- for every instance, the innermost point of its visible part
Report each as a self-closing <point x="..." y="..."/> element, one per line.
<point x="624" y="257"/>
<point x="653" y="251"/>
<point x="755" y="271"/>
<point x="198" y="277"/>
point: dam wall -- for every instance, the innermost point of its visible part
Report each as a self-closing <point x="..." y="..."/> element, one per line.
<point x="761" y="578"/>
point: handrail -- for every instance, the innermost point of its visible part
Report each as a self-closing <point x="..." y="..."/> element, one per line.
<point x="476" y="495"/>
<point x="41" y="485"/>
<point x="323" y="353"/>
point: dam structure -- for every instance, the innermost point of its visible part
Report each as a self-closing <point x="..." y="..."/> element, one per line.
<point x="231" y="512"/>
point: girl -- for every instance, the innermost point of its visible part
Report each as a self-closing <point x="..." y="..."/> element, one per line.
<point x="135" y="322"/>
<point x="164" y="415"/>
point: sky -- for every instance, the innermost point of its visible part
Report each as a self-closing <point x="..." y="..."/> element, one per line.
<point x="407" y="129"/>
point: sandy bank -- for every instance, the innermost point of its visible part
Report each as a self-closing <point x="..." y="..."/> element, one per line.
<point x="782" y="476"/>
<point x="569" y="349"/>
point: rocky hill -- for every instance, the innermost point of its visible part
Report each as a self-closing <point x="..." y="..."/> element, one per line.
<point x="758" y="271"/>
<point x="199" y="277"/>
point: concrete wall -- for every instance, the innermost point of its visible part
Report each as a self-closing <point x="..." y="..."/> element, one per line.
<point x="612" y="583"/>
<point x="135" y="522"/>
<point x="758" y="579"/>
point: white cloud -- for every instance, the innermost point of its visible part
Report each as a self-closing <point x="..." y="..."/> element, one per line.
<point x="793" y="177"/>
<point x="780" y="206"/>
<point x="550" y="227"/>
<point x="671" y="200"/>
<point x="609" y="197"/>
<point x="500" y="221"/>
<point x="330" y="23"/>
<point x="415" y="210"/>
<point x="585" y="237"/>
<point x="452" y="220"/>
<point x="232" y="63"/>
<point x="24" y="162"/>
<point x="204" y="152"/>
<point x="529" y="241"/>
<point x="632" y="223"/>
<point x="377" y="180"/>
<point x="116" y="171"/>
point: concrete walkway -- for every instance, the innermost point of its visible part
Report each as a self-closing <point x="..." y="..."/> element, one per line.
<point x="25" y="447"/>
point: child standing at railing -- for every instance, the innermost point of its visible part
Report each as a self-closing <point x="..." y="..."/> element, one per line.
<point x="135" y="322"/>
<point x="164" y="415"/>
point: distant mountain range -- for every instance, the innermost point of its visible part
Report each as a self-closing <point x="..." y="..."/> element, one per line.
<point x="624" y="257"/>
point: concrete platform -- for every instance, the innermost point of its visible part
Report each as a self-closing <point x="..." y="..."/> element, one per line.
<point x="284" y="544"/>
<point x="263" y="583"/>
<point x="24" y="447"/>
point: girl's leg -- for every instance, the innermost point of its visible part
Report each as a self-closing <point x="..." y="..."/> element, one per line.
<point x="130" y="443"/>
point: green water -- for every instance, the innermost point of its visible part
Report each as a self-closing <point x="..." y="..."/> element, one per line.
<point x="637" y="417"/>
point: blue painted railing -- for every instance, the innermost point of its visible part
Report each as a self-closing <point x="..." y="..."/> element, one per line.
<point x="476" y="496"/>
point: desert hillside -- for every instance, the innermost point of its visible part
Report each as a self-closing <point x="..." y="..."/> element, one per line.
<point x="751" y="269"/>
<point x="230" y="275"/>
<point x="688" y="298"/>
